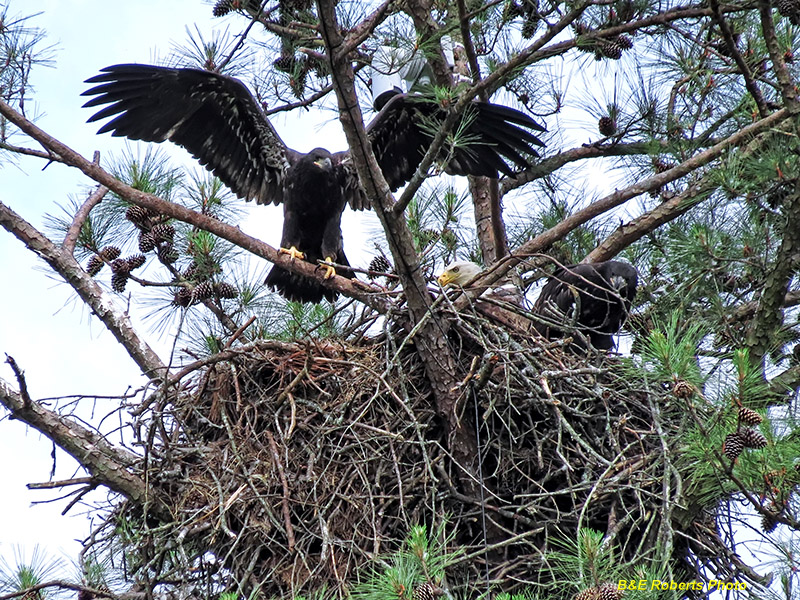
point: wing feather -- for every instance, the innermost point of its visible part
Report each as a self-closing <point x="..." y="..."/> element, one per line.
<point x="404" y="128"/>
<point x="211" y="115"/>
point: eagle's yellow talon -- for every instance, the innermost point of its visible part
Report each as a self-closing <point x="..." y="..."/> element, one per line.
<point x="329" y="270"/>
<point x="292" y="252"/>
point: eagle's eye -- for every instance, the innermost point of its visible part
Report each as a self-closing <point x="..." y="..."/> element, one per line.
<point x="455" y="269"/>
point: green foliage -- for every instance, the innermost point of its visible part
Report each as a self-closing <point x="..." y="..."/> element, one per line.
<point x="25" y="572"/>
<point x="424" y="558"/>
<point x="669" y="351"/>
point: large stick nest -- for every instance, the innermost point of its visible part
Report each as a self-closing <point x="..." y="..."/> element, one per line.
<point x="287" y="466"/>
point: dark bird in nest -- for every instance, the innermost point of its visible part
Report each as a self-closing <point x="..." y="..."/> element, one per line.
<point x="593" y="299"/>
<point x="221" y="124"/>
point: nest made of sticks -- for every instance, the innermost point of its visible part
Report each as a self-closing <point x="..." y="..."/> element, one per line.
<point x="294" y="464"/>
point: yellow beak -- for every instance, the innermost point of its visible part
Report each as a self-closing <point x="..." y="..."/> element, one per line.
<point x="445" y="278"/>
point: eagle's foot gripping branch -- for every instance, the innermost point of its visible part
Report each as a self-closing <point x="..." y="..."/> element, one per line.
<point x="292" y="252"/>
<point x="328" y="264"/>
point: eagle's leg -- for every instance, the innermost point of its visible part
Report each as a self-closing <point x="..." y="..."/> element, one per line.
<point x="329" y="270"/>
<point x="293" y="252"/>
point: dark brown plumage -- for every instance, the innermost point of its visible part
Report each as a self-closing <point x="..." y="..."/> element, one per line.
<point x="220" y="123"/>
<point x="593" y="299"/>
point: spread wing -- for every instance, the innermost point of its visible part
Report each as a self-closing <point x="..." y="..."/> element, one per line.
<point x="489" y="135"/>
<point x="211" y="115"/>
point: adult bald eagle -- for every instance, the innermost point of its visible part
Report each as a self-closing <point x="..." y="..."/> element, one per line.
<point x="220" y="123"/>
<point x="591" y="298"/>
<point x="458" y="272"/>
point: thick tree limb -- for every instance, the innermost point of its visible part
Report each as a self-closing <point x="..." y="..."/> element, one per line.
<point x="107" y="464"/>
<point x="553" y="163"/>
<point x="769" y="314"/>
<point x="788" y="86"/>
<point x="636" y="229"/>
<point x="431" y="329"/>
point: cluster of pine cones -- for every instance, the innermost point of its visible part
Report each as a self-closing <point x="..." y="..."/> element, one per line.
<point x="120" y="267"/>
<point x="611" y="48"/>
<point x="199" y="287"/>
<point x="605" y="591"/>
<point x="745" y="435"/>
<point x="154" y="233"/>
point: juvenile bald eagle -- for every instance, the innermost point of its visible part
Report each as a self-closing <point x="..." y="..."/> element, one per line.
<point x="591" y="298"/>
<point x="220" y="123"/>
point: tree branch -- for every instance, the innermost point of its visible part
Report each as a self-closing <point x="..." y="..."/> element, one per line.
<point x="107" y="464"/>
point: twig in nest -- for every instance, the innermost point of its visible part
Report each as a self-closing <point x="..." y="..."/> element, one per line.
<point x="287" y="514"/>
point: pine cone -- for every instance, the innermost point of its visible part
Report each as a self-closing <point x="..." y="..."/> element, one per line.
<point x="109" y="253"/>
<point x="94" y="265"/>
<point x="163" y="232"/>
<point x="167" y="253"/>
<point x="768" y="523"/>
<point x="733" y="445"/>
<point x="191" y="271"/>
<point x="752" y="438"/>
<point x="183" y="297"/>
<point x="146" y="242"/>
<point x="591" y="593"/>
<point x="120" y="267"/>
<point x="625" y="42"/>
<point x="682" y="389"/>
<point x="609" y="591"/>
<point x="285" y="63"/>
<point x="222" y="8"/>
<point x="608" y="49"/>
<point x="225" y="290"/>
<point x="119" y="281"/>
<point x="380" y="264"/>
<point x="139" y="216"/>
<point x="788" y="8"/>
<point x="607" y="126"/>
<point x="748" y="416"/>
<point x="202" y="292"/>
<point x="530" y="25"/>
<point x="427" y="591"/>
<point x="135" y="261"/>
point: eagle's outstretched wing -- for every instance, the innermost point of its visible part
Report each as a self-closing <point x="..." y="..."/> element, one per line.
<point x="213" y="116"/>
<point x="488" y="133"/>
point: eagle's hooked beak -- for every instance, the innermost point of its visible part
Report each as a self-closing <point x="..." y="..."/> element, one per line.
<point x="445" y="278"/>
<point x="324" y="163"/>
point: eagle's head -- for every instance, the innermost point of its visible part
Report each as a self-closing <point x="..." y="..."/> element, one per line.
<point x="458" y="272"/>
<point x="321" y="158"/>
